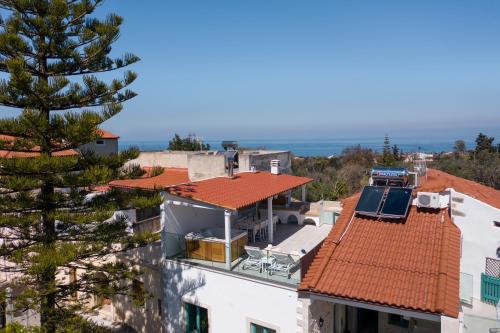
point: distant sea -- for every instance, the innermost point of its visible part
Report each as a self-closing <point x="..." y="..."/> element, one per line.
<point x="319" y="147"/>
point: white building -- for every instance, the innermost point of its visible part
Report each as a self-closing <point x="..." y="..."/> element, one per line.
<point x="475" y="209"/>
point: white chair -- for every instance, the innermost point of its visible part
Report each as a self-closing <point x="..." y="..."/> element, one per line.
<point x="283" y="264"/>
<point x="254" y="260"/>
<point x="263" y="229"/>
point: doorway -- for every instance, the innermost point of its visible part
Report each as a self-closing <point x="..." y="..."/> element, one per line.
<point x="367" y="321"/>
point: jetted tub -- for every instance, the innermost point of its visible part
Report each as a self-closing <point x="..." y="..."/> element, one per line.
<point x="208" y="244"/>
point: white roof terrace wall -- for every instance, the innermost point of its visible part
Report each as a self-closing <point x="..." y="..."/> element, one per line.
<point x="232" y="301"/>
<point x="188" y="215"/>
<point x="480" y="236"/>
<point x="206" y="165"/>
<point x="261" y="159"/>
<point x="166" y="159"/>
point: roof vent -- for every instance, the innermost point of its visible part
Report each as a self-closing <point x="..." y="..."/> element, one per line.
<point x="428" y="200"/>
<point x="275" y="167"/>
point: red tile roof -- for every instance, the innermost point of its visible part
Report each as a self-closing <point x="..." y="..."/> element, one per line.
<point x="413" y="265"/>
<point x="34" y="153"/>
<point x="243" y="190"/>
<point x="106" y="135"/>
<point x="437" y="181"/>
<point x="169" y="177"/>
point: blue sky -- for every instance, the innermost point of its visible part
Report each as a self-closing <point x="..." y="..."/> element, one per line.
<point x="310" y="69"/>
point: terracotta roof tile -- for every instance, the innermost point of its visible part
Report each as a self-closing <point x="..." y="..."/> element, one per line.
<point x="437" y="181"/>
<point x="169" y="177"/>
<point x="22" y="154"/>
<point x="413" y="264"/>
<point x="242" y="190"/>
<point x="107" y="135"/>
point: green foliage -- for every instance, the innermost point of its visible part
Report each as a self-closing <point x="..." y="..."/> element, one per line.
<point x="156" y="171"/>
<point x="388" y="158"/>
<point x="484" y="143"/>
<point x="69" y="325"/>
<point x="459" y="147"/>
<point x="336" y="177"/>
<point x="481" y="165"/>
<point x="190" y="143"/>
<point x="52" y="52"/>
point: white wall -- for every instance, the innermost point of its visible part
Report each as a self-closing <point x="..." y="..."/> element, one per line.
<point x="166" y="159"/>
<point x="108" y="146"/>
<point x="232" y="302"/>
<point x="183" y="218"/>
<point x="480" y="238"/>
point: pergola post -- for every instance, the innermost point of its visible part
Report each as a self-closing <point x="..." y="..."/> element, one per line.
<point x="270" y="228"/>
<point x="227" y="238"/>
<point x="303" y="188"/>
<point x="288" y="198"/>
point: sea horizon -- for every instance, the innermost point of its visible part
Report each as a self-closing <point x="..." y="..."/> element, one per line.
<point x="316" y="147"/>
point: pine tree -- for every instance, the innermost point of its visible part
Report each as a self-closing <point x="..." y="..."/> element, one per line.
<point x="51" y="52"/>
<point x="387" y="153"/>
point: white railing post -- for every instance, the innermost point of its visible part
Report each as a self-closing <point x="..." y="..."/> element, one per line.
<point x="227" y="231"/>
<point x="270" y="229"/>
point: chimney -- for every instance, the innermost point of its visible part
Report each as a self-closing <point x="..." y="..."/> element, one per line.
<point x="275" y="167"/>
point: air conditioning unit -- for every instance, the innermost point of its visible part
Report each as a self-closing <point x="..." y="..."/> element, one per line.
<point x="428" y="200"/>
<point x="275" y="167"/>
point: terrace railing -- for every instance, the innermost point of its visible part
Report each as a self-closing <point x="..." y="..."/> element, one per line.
<point x="466" y="285"/>
<point x="268" y="265"/>
<point x="490" y="289"/>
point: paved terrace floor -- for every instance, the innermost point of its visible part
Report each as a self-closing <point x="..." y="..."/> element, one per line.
<point x="292" y="239"/>
<point x="287" y="238"/>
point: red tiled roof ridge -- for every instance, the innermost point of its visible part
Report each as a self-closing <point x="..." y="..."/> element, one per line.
<point x="107" y="134"/>
<point x="243" y="189"/>
<point x="437" y="181"/>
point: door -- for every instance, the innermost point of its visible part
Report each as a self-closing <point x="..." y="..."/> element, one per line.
<point x="367" y="321"/>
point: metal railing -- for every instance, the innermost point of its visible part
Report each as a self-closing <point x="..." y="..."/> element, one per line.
<point x="275" y="266"/>
<point x="490" y="289"/>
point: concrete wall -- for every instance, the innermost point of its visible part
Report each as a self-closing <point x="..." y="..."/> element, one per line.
<point x="262" y="160"/>
<point x="108" y="146"/>
<point x="480" y="237"/>
<point x="204" y="166"/>
<point x="232" y="302"/>
<point x="166" y="159"/>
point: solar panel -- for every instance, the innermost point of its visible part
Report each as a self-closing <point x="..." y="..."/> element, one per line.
<point x="397" y="202"/>
<point x="369" y="201"/>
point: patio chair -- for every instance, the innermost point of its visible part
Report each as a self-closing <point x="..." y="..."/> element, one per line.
<point x="283" y="264"/>
<point x="254" y="260"/>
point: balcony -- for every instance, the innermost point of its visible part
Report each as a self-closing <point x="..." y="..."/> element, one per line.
<point x="284" y="261"/>
<point x="490" y="289"/>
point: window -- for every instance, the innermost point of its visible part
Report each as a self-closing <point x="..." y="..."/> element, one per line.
<point x="498" y="252"/>
<point x="398" y="320"/>
<point x="196" y="318"/>
<point x="100" y="142"/>
<point x="254" y="328"/>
